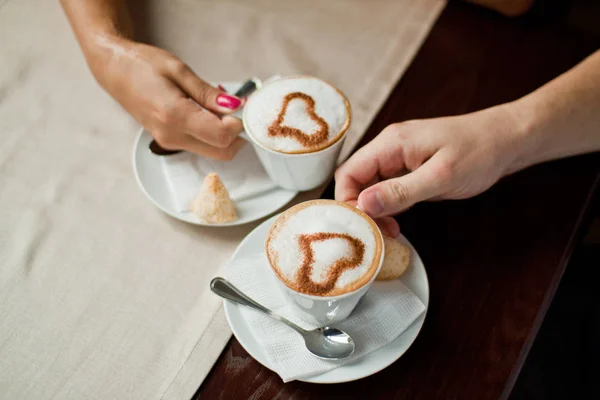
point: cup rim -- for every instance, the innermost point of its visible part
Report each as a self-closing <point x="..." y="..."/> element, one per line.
<point x="339" y="296"/>
<point x="338" y="139"/>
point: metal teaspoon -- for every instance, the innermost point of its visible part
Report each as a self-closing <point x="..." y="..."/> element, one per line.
<point x="325" y="342"/>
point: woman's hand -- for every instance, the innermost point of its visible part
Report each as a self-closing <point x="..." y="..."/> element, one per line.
<point x="165" y="96"/>
<point x="155" y="87"/>
<point x="442" y="158"/>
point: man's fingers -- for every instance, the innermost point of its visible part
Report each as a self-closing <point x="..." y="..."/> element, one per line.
<point x="394" y="195"/>
<point x="383" y="156"/>
<point x="349" y="180"/>
<point x="210" y="98"/>
<point x="388" y="226"/>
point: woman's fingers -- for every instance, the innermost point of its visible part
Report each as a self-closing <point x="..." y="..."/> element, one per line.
<point x="209" y="128"/>
<point x="210" y="98"/>
<point x="217" y="153"/>
<point x="182" y="125"/>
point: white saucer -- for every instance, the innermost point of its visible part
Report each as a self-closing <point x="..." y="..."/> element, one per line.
<point x="415" y="279"/>
<point x="151" y="178"/>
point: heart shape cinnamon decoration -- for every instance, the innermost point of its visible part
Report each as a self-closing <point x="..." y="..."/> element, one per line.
<point x="335" y="270"/>
<point x="278" y="129"/>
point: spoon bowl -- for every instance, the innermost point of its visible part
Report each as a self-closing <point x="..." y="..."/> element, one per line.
<point x="329" y="343"/>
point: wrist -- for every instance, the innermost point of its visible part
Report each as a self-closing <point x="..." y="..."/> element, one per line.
<point x="503" y="138"/>
<point x="102" y="51"/>
<point x="523" y="144"/>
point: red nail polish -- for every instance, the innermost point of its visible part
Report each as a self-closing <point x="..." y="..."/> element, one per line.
<point x="227" y="101"/>
<point x="222" y="88"/>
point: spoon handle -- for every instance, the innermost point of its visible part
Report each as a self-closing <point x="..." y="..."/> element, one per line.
<point x="227" y="290"/>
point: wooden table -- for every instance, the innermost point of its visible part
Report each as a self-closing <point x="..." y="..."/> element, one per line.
<point x="494" y="261"/>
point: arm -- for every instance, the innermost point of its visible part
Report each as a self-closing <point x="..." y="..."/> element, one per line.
<point x="562" y="118"/>
<point x="153" y="85"/>
<point x="462" y="156"/>
<point x="97" y="23"/>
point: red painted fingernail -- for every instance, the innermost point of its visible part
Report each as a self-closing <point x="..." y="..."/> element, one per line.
<point x="222" y="88"/>
<point x="227" y="101"/>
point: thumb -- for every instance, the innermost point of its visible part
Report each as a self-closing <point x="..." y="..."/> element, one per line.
<point x="208" y="97"/>
<point x="394" y="195"/>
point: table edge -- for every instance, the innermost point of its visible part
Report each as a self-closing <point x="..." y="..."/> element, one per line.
<point x="576" y="236"/>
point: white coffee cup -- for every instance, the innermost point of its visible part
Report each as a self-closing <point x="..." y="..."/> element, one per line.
<point x="296" y="171"/>
<point x="326" y="309"/>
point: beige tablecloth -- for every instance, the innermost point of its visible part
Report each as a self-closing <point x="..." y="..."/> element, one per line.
<point x="101" y="295"/>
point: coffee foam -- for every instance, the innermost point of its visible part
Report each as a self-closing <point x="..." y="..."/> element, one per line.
<point x="333" y="232"/>
<point x="265" y="106"/>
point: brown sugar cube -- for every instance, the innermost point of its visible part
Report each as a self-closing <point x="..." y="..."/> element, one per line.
<point x="213" y="204"/>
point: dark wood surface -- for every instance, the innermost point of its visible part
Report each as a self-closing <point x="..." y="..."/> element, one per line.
<point x="494" y="261"/>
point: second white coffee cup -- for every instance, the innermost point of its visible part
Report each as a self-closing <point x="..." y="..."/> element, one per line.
<point x="301" y="170"/>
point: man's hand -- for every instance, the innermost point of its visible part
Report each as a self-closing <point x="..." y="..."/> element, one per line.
<point x="443" y="158"/>
<point x="459" y="157"/>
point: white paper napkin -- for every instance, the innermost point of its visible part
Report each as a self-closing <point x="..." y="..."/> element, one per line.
<point x="386" y="311"/>
<point x="244" y="176"/>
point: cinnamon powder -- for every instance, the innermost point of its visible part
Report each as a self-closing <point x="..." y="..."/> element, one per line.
<point x="306" y="284"/>
<point x="278" y="129"/>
